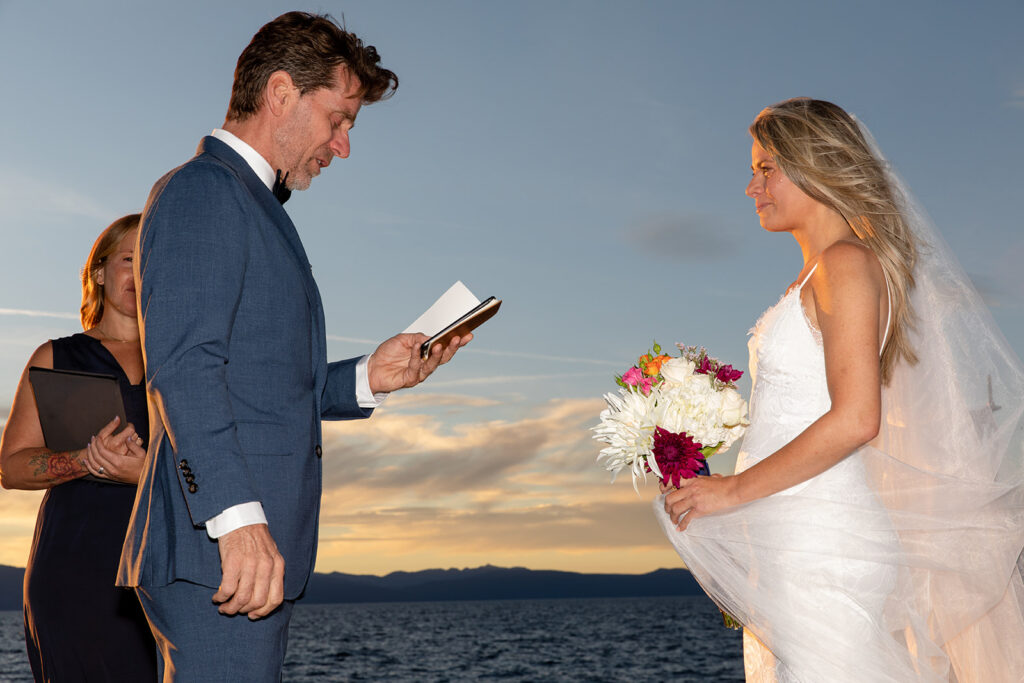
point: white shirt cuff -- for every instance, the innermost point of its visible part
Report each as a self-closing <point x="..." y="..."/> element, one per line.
<point x="235" y="517"/>
<point x="364" y="396"/>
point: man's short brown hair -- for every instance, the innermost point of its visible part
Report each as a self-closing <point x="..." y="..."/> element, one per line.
<point x="308" y="47"/>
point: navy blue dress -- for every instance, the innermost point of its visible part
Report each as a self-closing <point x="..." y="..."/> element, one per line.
<point x="78" y="625"/>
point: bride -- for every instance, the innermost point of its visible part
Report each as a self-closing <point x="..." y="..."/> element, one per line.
<point x="874" y="525"/>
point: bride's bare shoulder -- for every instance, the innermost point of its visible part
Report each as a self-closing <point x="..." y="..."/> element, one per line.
<point x="846" y="262"/>
<point x="848" y="278"/>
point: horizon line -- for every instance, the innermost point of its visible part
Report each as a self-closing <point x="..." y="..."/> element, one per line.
<point x="483" y="566"/>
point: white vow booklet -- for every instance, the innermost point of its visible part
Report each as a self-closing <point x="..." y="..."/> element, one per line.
<point x="455" y="313"/>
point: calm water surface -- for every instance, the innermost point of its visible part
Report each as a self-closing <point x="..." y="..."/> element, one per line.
<point x="620" y="639"/>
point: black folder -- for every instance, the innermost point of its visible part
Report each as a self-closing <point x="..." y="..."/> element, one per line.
<point x="73" y="406"/>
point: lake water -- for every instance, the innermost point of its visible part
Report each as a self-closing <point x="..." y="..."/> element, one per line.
<point x="618" y="639"/>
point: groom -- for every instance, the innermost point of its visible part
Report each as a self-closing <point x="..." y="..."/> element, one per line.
<point x="223" y="535"/>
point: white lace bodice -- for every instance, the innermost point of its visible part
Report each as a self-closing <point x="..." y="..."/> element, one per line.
<point x="787" y="366"/>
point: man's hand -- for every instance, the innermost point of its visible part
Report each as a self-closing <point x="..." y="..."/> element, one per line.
<point x="252" y="572"/>
<point x="396" y="364"/>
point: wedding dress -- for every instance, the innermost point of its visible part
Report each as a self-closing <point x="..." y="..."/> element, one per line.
<point x="900" y="563"/>
<point x="811" y="590"/>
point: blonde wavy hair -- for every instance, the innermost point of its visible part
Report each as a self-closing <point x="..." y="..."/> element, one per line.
<point x="102" y="248"/>
<point x="822" y="150"/>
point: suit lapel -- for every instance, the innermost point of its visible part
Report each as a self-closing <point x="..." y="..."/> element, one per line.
<point x="265" y="199"/>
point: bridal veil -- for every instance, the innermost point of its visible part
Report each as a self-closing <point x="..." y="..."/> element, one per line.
<point x="948" y="465"/>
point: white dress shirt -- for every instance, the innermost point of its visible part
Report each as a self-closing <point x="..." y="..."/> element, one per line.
<point x="245" y="514"/>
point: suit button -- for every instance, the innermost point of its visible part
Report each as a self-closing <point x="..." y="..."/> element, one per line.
<point x="183" y="464"/>
<point x="190" y="478"/>
<point x="319" y="451"/>
<point x="192" y="488"/>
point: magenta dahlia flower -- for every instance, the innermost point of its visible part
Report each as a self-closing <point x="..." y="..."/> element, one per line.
<point x="678" y="456"/>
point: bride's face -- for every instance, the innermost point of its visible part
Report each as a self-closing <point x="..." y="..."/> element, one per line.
<point x="780" y="204"/>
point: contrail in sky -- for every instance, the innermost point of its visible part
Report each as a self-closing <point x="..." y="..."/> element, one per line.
<point x="38" y="314"/>
<point x="540" y="356"/>
<point x="507" y="378"/>
<point x="505" y="354"/>
<point x="353" y="340"/>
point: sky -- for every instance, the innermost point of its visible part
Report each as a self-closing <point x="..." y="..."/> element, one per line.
<point x="583" y="161"/>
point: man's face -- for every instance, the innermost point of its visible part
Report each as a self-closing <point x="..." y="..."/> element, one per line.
<point x="316" y="128"/>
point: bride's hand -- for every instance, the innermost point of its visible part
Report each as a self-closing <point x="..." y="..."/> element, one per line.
<point x="698" y="497"/>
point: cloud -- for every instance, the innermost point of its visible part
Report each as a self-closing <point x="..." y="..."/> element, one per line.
<point x="1001" y="284"/>
<point x="408" y="400"/>
<point x="1017" y="98"/>
<point x="595" y="525"/>
<point x="423" y="457"/>
<point x="407" y="490"/>
<point x="692" y="238"/>
<point x="410" y="490"/>
<point x="44" y="196"/>
<point x="404" y="487"/>
<point x="991" y="292"/>
<point x="18" y="511"/>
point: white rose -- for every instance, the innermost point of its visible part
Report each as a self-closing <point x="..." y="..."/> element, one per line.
<point x="734" y="408"/>
<point x="677" y="370"/>
<point x="686" y="407"/>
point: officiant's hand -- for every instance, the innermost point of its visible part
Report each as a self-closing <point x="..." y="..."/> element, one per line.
<point x="117" y="457"/>
<point x="396" y="364"/>
<point x="697" y="497"/>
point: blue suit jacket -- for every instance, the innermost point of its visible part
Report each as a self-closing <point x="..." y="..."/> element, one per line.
<point x="236" y="370"/>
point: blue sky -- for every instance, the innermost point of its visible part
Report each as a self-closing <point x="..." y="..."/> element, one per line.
<point x="584" y="161"/>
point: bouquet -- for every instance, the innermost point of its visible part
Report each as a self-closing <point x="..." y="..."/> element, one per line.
<point x="670" y="414"/>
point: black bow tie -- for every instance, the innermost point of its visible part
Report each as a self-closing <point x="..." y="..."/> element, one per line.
<point x="281" y="193"/>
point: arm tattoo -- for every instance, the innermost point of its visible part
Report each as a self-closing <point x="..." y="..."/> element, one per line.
<point x="57" y="467"/>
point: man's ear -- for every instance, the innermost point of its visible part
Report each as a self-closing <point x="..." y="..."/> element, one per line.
<point x="280" y="94"/>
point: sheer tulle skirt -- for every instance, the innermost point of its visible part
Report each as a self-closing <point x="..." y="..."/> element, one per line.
<point x="834" y="585"/>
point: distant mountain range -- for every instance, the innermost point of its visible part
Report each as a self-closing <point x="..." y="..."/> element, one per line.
<point x="482" y="583"/>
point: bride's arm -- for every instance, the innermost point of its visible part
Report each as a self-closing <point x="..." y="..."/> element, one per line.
<point x="846" y="286"/>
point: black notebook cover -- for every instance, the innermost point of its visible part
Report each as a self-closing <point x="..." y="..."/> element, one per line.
<point x="73" y="406"/>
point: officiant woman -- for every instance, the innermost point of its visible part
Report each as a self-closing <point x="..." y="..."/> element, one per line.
<point x="78" y="625"/>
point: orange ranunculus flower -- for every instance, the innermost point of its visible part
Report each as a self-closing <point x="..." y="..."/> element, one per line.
<point x="653" y="366"/>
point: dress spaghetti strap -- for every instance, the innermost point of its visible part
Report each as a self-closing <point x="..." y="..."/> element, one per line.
<point x="807" y="277"/>
<point x="888" y="316"/>
<point x="888" y="298"/>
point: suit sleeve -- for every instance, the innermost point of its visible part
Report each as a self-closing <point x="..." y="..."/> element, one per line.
<point x="192" y="262"/>
<point x="339" y="399"/>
